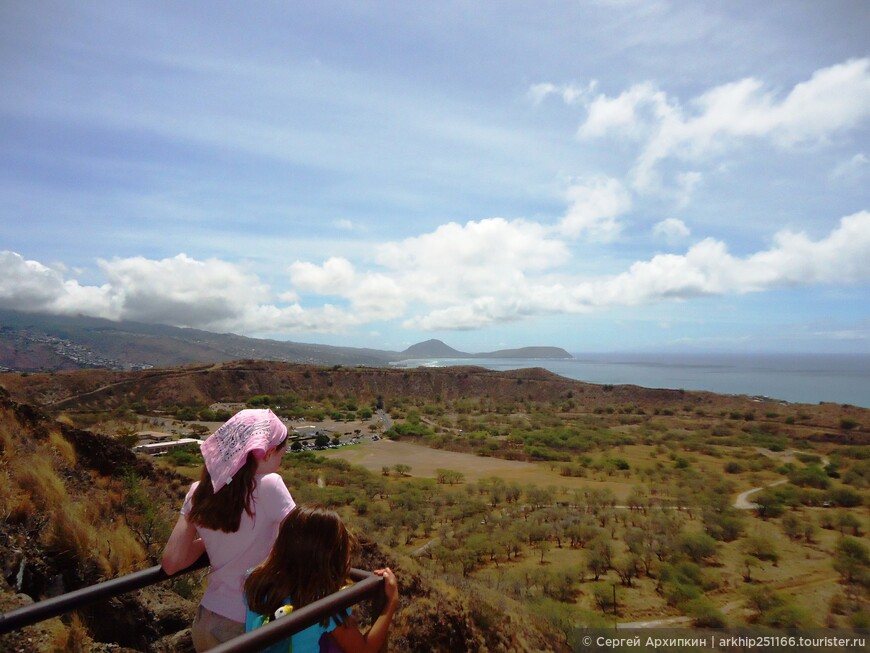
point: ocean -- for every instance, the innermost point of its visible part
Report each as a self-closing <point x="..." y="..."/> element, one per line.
<point x="795" y="378"/>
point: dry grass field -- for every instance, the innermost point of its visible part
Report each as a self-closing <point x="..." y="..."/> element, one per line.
<point x="804" y="572"/>
<point x="424" y="462"/>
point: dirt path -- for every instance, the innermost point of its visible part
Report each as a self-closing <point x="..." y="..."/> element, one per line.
<point x="656" y="623"/>
<point x="151" y="375"/>
<point x="742" y="501"/>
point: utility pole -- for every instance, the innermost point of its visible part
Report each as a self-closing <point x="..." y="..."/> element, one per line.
<point x="614" y="598"/>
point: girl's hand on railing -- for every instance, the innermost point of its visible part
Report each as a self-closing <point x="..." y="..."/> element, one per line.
<point x="391" y="588"/>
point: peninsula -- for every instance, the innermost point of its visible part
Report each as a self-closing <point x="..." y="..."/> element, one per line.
<point x="438" y="349"/>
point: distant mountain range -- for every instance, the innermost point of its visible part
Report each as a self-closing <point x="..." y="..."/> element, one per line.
<point x="35" y="342"/>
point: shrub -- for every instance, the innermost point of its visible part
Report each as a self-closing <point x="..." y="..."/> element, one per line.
<point x="398" y="431"/>
<point x="845" y="497"/>
<point x="811" y="476"/>
<point x="733" y="467"/>
<point x="852" y="559"/>
<point x="763" y="599"/>
<point x="603" y="595"/>
<point x="697" y="546"/>
<point x="725" y="525"/>
<point x="761" y="548"/>
<point x="704" y="613"/>
<point x="787" y="615"/>
<point x="679" y="592"/>
<point x="185" y="456"/>
<point x="768" y="504"/>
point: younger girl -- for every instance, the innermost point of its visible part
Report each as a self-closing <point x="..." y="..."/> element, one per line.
<point x="310" y="560"/>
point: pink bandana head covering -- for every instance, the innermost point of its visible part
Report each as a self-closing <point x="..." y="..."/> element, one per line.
<point x="226" y="450"/>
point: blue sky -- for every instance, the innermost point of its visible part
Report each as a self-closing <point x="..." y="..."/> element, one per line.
<point x="602" y="175"/>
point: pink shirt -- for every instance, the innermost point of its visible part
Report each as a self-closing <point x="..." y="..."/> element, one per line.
<point x="233" y="554"/>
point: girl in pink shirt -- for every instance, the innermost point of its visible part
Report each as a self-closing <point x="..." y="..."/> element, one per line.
<point x="232" y="513"/>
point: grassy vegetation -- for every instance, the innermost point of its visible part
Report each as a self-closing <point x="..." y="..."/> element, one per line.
<point x="571" y="507"/>
<point x="563" y="509"/>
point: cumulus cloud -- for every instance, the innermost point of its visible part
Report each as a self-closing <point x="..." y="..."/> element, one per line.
<point x="371" y="295"/>
<point x="708" y="269"/>
<point x="594" y="208"/>
<point x="335" y="276"/>
<point x="180" y="291"/>
<point x="495" y="244"/>
<point x="31" y="286"/>
<point x="671" y="230"/>
<point x="466" y="271"/>
<point x="833" y="99"/>
<point x="455" y="277"/>
<point x="628" y="114"/>
<point x="468" y="288"/>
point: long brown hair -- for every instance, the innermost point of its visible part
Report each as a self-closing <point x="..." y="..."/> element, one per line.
<point x="222" y="510"/>
<point x="310" y="560"/>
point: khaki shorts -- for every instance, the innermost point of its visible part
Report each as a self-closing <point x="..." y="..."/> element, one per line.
<point x="210" y="629"/>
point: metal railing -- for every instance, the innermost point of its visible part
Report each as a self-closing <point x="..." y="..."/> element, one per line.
<point x="58" y="605"/>
<point x="366" y="586"/>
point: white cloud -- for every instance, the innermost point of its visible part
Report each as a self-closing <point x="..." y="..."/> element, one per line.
<point x="628" y="114"/>
<point x="336" y="276"/>
<point x="493" y="249"/>
<point x="687" y="182"/>
<point x="671" y="230"/>
<point x="708" y="269"/>
<point x="344" y="224"/>
<point x="181" y="290"/>
<point x="372" y="295"/>
<point x="474" y="315"/>
<point x="570" y="93"/>
<point x="31" y="286"/>
<point x="595" y="205"/>
<point x="852" y="169"/>
<point x="28" y="285"/>
<point x="797" y="260"/>
<point x="468" y="275"/>
<point x="834" y="99"/>
<point x="456" y="277"/>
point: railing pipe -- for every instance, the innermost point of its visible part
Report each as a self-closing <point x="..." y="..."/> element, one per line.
<point x="31" y="614"/>
<point x="367" y="585"/>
